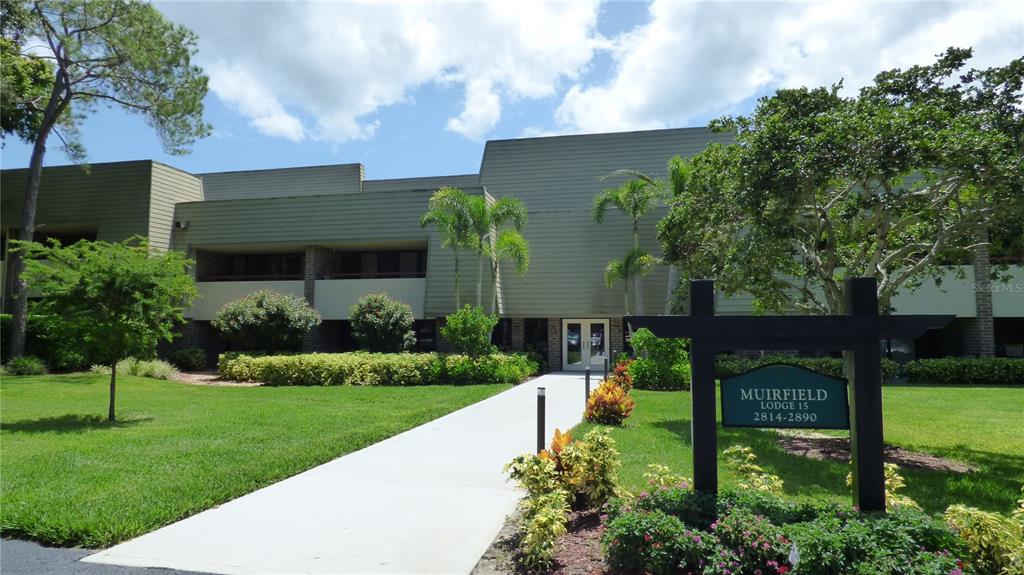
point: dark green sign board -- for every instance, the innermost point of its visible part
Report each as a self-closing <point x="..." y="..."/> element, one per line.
<point x="785" y="396"/>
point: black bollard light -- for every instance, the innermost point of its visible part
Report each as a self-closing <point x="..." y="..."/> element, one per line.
<point x="606" y="368"/>
<point x="586" y="396"/>
<point x="540" y="419"/>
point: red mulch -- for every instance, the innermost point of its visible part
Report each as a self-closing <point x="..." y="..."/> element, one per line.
<point x="579" y="551"/>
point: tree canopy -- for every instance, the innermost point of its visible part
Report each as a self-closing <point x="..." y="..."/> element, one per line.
<point x="818" y="186"/>
<point x="121" y="53"/>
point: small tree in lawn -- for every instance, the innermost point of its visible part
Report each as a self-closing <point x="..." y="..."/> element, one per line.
<point x="119" y="299"/>
<point x="266" y="321"/>
<point x="381" y="324"/>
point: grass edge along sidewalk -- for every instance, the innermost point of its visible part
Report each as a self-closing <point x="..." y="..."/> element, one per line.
<point x="71" y="478"/>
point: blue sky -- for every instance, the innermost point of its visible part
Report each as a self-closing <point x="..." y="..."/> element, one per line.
<point x="414" y="90"/>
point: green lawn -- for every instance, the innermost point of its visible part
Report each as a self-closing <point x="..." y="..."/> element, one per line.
<point x="980" y="426"/>
<point x="70" y="478"/>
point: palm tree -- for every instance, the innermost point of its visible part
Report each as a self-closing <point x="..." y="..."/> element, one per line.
<point x="449" y="210"/>
<point x="634" y="266"/>
<point x="635" y="198"/>
<point x="493" y="243"/>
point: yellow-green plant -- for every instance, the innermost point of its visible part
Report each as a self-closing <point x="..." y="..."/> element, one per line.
<point x="750" y="475"/>
<point x="894" y="482"/>
<point x="589" y="467"/>
<point x="543" y="522"/>
<point x="995" y="542"/>
<point x="536" y="475"/>
<point x="661" y="477"/>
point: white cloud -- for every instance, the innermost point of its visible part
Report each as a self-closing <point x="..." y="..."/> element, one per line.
<point x="339" y="63"/>
<point x="692" y="61"/>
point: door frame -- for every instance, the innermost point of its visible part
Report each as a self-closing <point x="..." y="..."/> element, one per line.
<point x="585" y="324"/>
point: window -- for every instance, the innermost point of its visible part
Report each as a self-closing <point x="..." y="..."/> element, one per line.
<point x="377" y="264"/>
<point x="426" y="334"/>
<point x="535" y="336"/>
<point x="502" y="334"/>
<point x="256" y="267"/>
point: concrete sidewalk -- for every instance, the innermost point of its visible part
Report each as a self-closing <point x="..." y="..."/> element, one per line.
<point x="429" y="500"/>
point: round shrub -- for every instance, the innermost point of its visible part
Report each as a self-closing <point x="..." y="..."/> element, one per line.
<point x="609" y="404"/>
<point x="381" y="324"/>
<point x="26" y="365"/>
<point x="266" y="321"/>
<point x="188" y="358"/>
<point x="652" y="542"/>
<point x="469" y="331"/>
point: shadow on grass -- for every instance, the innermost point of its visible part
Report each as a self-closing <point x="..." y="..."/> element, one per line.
<point x="994" y="487"/>
<point x="70" y="423"/>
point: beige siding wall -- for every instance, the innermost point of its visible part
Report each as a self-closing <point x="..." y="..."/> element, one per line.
<point x="558" y="179"/>
<point x="112" y="199"/>
<point x="338" y="220"/>
<point x="169" y="187"/>
<point x="304" y="181"/>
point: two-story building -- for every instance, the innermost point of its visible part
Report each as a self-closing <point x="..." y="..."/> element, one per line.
<point x="330" y="235"/>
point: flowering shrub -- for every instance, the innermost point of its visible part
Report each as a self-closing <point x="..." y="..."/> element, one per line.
<point x="653" y="542"/>
<point x="750" y="543"/>
<point x="361" y="368"/>
<point x="661" y="477"/>
<point x="609" y="404"/>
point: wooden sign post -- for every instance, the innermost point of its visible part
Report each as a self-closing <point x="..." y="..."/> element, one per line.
<point x="787" y="400"/>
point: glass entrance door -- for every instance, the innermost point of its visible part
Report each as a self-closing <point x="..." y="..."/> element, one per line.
<point x="584" y="343"/>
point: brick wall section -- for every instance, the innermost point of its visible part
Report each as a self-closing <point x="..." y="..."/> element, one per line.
<point x="615" y="338"/>
<point x="979" y="337"/>
<point x="443" y="345"/>
<point x="196" y="334"/>
<point x="315" y="264"/>
<point x="518" y="334"/>
<point x="554" y="344"/>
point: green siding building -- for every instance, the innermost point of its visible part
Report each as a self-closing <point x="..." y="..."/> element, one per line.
<point x="328" y="234"/>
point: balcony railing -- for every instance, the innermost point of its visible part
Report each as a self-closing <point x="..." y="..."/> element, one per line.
<point x="252" y="278"/>
<point x="371" y="275"/>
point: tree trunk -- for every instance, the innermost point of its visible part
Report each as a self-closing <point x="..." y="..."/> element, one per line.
<point x="480" y="281"/>
<point x="458" y="304"/>
<point x="19" y="310"/>
<point x="670" y="288"/>
<point x="111" y="415"/>
<point x="494" y="287"/>
<point x="638" y="292"/>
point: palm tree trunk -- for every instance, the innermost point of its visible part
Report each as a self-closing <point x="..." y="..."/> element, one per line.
<point x="670" y="288"/>
<point x="458" y="303"/>
<point x="19" y="310"/>
<point x="480" y="281"/>
<point x="494" y="286"/>
<point x="638" y="292"/>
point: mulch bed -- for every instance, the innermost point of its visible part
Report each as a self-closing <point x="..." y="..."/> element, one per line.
<point x="579" y="550"/>
<point x="838" y="449"/>
<point x="210" y="378"/>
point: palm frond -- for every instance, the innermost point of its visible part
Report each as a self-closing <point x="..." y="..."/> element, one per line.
<point x="513" y="247"/>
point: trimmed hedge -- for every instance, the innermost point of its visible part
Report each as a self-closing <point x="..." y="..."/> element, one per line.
<point x="729" y="365"/>
<point x="363" y="368"/>
<point x="966" y="371"/>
